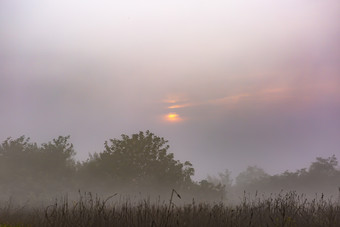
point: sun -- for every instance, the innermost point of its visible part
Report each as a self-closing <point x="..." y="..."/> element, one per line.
<point x="173" y="117"/>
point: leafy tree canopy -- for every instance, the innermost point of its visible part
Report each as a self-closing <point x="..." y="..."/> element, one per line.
<point x="324" y="166"/>
<point x="27" y="167"/>
<point x="140" y="159"/>
<point x="252" y="175"/>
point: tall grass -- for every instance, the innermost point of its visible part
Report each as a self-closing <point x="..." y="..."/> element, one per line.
<point x="284" y="209"/>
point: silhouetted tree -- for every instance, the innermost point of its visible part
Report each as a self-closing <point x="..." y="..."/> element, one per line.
<point x="208" y="191"/>
<point x="321" y="176"/>
<point x="222" y="178"/>
<point x="26" y="167"/>
<point x="252" y="175"/>
<point x="141" y="161"/>
<point x="138" y="160"/>
<point x="324" y="166"/>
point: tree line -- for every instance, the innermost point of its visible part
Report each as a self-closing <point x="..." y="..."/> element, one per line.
<point x="140" y="162"/>
<point x="137" y="163"/>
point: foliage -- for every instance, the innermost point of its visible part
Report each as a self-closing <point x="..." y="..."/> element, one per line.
<point x="28" y="168"/>
<point x="222" y="178"/>
<point x="251" y="175"/>
<point x="324" y="166"/>
<point x="139" y="160"/>
<point x="321" y="176"/>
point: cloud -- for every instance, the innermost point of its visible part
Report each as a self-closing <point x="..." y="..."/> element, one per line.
<point x="230" y="99"/>
<point x="179" y="106"/>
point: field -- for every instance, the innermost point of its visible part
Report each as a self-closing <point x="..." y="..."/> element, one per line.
<point x="288" y="209"/>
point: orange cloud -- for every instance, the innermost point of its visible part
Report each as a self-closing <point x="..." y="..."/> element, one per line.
<point x="179" y="106"/>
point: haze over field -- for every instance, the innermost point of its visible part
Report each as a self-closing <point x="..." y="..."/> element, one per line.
<point x="228" y="83"/>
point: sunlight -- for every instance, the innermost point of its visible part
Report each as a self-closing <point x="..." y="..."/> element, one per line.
<point x="173" y="117"/>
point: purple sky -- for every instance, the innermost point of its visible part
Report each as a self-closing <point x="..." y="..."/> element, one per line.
<point x="228" y="83"/>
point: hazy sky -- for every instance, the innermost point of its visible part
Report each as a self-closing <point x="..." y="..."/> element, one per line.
<point x="229" y="83"/>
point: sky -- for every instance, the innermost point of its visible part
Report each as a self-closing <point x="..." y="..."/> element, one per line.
<point x="229" y="83"/>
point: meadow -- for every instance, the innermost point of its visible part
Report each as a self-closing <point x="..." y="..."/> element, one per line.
<point x="283" y="209"/>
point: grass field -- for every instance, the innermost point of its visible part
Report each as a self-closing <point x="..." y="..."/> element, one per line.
<point x="288" y="209"/>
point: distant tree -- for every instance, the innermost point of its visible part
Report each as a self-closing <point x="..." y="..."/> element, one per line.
<point x="324" y="166"/>
<point x="222" y="178"/>
<point x="321" y="176"/>
<point x="138" y="160"/>
<point x="26" y="167"/>
<point x="15" y="162"/>
<point x="252" y="175"/>
<point x="58" y="156"/>
<point x="208" y="191"/>
<point x="219" y="186"/>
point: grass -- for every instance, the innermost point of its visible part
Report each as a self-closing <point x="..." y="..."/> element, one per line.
<point x="288" y="209"/>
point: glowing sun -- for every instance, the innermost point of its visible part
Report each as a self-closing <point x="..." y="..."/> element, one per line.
<point x="172" y="117"/>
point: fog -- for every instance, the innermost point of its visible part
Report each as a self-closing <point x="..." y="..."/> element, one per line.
<point x="229" y="84"/>
<point x="139" y="167"/>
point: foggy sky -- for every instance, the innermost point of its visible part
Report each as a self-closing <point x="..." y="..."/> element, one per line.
<point x="247" y="82"/>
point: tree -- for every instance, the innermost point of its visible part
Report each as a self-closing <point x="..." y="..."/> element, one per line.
<point x="15" y="161"/>
<point x="223" y="179"/>
<point x="27" y="168"/>
<point x="324" y="166"/>
<point x="207" y="191"/>
<point x="252" y="175"/>
<point x="58" y="156"/>
<point x="139" y="160"/>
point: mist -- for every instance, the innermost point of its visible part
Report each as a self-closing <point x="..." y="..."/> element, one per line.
<point x="247" y="93"/>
